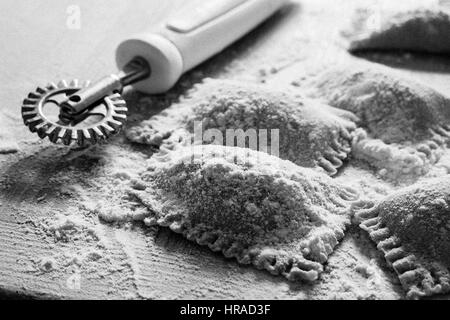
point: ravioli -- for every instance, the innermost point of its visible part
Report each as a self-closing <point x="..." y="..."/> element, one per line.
<point x="417" y="30"/>
<point x="412" y="228"/>
<point x="310" y="134"/>
<point x="405" y="122"/>
<point x="248" y="205"/>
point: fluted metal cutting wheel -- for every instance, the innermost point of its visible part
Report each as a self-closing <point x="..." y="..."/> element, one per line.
<point x="100" y="122"/>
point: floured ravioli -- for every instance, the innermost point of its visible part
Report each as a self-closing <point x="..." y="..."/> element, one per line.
<point x="412" y="228"/>
<point x="405" y="122"/>
<point x="249" y="205"/>
<point x="311" y="134"/>
<point x="419" y="30"/>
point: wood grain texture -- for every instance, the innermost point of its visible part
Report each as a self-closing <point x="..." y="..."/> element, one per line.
<point x="38" y="48"/>
<point x="136" y="262"/>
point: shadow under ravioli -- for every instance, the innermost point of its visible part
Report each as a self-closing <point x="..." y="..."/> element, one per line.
<point x="249" y="205"/>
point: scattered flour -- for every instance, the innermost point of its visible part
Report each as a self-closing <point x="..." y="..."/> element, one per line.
<point x="7" y="146"/>
<point x="86" y="240"/>
<point x="47" y="264"/>
<point x="112" y="213"/>
<point x="71" y="227"/>
<point x="394" y="161"/>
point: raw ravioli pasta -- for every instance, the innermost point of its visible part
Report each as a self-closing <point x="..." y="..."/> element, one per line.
<point x="249" y="205"/>
<point x="421" y="30"/>
<point x="311" y="134"/>
<point x="404" y="122"/>
<point x="412" y="228"/>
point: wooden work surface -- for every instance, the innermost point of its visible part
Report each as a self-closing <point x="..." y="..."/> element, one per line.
<point x="38" y="47"/>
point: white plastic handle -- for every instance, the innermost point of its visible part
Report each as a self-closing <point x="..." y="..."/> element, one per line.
<point x="193" y="35"/>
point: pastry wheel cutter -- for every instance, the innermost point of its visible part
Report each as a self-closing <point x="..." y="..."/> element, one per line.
<point x="152" y="62"/>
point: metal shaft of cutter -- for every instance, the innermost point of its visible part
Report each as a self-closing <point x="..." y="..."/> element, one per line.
<point x="136" y="70"/>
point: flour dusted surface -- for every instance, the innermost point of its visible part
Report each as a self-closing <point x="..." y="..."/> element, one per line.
<point x="139" y="261"/>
